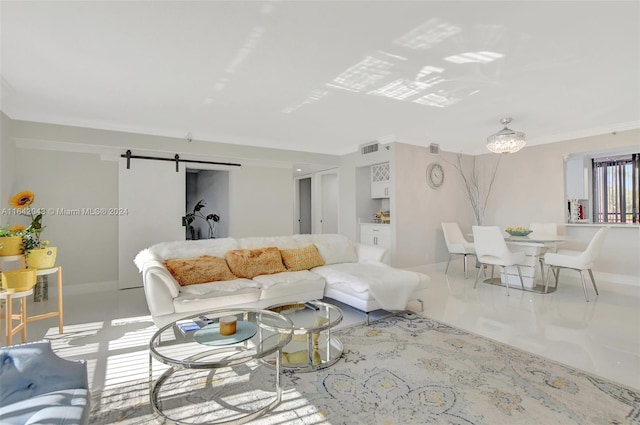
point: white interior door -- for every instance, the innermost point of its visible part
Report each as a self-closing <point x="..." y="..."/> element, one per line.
<point x="153" y="194"/>
<point x="329" y="206"/>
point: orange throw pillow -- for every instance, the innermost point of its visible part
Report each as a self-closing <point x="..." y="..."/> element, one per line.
<point x="249" y="263"/>
<point x="191" y="271"/>
<point x="301" y="258"/>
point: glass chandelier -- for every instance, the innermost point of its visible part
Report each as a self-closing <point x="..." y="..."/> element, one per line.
<point x="506" y="140"/>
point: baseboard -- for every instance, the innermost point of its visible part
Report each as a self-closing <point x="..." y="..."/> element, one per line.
<point x="89" y="288"/>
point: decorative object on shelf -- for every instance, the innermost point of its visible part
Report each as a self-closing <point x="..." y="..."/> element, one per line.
<point x="477" y="186"/>
<point x="574" y="211"/>
<point x="210" y="219"/>
<point x="383" y="216"/>
<point x="19" y="280"/>
<point x="11" y="240"/>
<point x="435" y="175"/>
<point x="518" y="231"/>
<point x="506" y="140"/>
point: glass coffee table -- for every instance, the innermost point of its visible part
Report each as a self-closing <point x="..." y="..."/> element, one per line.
<point x="312" y="346"/>
<point x="212" y="378"/>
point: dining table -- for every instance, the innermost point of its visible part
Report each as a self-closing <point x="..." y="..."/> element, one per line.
<point x="534" y="247"/>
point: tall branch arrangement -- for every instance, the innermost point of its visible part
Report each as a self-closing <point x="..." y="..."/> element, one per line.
<point x="476" y="187"/>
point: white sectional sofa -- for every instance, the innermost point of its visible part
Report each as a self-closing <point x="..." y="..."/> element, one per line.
<point x="352" y="273"/>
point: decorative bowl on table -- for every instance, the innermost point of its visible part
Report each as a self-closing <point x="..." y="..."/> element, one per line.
<point x="518" y="231"/>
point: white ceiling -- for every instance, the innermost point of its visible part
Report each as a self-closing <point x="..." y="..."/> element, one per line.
<point x="316" y="76"/>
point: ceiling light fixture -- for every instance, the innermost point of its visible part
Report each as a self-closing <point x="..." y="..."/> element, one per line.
<point x="506" y="140"/>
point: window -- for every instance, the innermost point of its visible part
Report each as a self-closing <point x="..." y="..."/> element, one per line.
<point x="616" y="189"/>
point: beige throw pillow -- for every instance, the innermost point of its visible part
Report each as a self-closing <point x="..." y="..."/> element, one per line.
<point x="249" y="263"/>
<point x="191" y="271"/>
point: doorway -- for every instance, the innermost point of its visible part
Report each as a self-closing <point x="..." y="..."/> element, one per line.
<point x="304" y="196"/>
<point x="316" y="203"/>
<point x="209" y="189"/>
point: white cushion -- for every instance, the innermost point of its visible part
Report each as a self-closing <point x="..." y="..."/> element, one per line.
<point x="335" y="249"/>
<point x="293" y="291"/>
<point x="189" y="303"/>
<point x="224" y="286"/>
<point x="267" y="281"/>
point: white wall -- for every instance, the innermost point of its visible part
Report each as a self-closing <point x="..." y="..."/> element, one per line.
<point x="261" y="201"/>
<point x="7" y="155"/>
<point x="531" y="183"/>
<point x="65" y="182"/>
<point x="419" y="209"/>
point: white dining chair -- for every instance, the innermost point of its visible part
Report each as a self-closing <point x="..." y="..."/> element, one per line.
<point x="576" y="260"/>
<point x="491" y="249"/>
<point x="457" y="244"/>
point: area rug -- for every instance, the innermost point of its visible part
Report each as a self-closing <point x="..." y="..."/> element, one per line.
<point x="403" y="369"/>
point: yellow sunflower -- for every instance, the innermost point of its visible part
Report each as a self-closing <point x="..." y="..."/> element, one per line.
<point x="22" y="199"/>
<point x="17" y="228"/>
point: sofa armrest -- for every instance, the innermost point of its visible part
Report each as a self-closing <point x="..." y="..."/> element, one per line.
<point x="372" y="253"/>
<point x="159" y="291"/>
<point x="33" y="369"/>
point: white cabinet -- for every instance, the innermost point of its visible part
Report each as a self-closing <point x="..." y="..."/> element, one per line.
<point x="380" y="180"/>
<point x="376" y="235"/>
<point x="577" y="178"/>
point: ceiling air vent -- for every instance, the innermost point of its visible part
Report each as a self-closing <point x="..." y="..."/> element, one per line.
<point x="369" y="148"/>
<point x="434" y="148"/>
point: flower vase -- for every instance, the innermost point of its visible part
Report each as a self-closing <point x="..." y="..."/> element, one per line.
<point x="10" y="245"/>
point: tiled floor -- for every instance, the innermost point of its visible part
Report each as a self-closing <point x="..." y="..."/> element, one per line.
<point x="112" y="329"/>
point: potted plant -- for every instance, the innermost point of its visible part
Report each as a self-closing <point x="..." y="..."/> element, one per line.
<point x="38" y="254"/>
<point x="11" y="240"/>
<point x="210" y="219"/>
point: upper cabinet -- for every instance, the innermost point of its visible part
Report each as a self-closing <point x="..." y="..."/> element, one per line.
<point x="380" y="180"/>
<point x="577" y="178"/>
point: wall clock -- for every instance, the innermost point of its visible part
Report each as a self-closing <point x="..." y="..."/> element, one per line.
<point x="435" y="175"/>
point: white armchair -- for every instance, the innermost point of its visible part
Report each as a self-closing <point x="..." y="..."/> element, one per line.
<point x="491" y="249"/>
<point x="457" y="244"/>
<point x="576" y="260"/>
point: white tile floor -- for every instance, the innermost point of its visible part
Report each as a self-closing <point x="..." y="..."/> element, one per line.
<point x="601" y="337"/>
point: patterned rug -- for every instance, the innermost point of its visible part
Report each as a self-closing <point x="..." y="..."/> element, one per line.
<point x="400" y="370"/>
